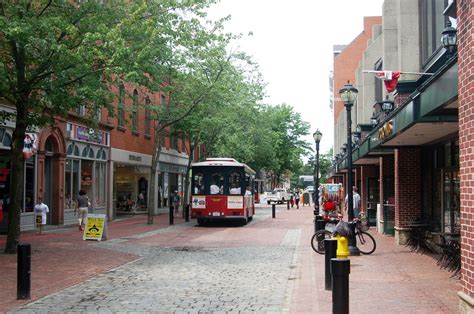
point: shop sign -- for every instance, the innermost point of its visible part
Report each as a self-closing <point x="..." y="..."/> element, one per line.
<point x="234" y="202"/>
<point x="386" y="130"/>
<point x="89" y="134"/>
<point x="96" y="227"/>
<point x="135" y="158"/>
<point x="199" y="202"/>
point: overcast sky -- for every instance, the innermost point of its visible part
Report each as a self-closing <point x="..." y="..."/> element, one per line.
<point x="292" y="41"/>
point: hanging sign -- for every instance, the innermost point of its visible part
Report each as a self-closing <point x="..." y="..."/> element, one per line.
<point x="96" y="227"/>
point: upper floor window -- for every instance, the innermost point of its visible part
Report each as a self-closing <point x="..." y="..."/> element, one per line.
<point x="81" y="110"/>
<point x="135" y="111"/>
<point x="432" y="24"/>
<point x="121" y="106"/>
<point x="147" y="115"/>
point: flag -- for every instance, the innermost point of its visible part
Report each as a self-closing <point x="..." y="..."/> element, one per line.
<point x="390" y="79"/>
<point x="29" y="145"/>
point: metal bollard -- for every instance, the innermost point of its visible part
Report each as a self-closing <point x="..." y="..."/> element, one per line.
<point x="171" y="215"/>
<point x="273" y="210"/>
<point x="23" y="271"/>
<point x="288" y="205"/>
<point x="330" y="249"/>
<point x="340" y="269"/>
<point x="186" y="213"/>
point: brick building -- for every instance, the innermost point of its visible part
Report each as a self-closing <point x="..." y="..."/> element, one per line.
<point x="414" y="163"/>
<point x="111" y="162"/>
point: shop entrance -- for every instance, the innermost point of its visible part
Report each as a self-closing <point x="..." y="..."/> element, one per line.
<point x="48" y="180"/>
<point x="142" y="200"/>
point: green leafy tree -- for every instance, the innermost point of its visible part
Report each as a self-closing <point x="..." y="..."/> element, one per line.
<point x="57" y="55"/>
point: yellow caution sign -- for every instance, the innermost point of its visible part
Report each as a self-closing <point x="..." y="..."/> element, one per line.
<point x="96" y="228"/>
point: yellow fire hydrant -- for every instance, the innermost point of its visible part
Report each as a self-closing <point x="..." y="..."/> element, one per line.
<point x="342" y="247"/>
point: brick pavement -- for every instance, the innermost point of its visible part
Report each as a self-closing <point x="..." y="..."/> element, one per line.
<point x="392" y="280"/>
<point x="60" y="258"/>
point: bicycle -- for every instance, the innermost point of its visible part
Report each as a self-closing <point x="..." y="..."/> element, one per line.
<point x="366" y="242"/>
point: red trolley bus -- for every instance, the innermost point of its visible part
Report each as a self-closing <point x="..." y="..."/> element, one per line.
<point x="222" y="188"/>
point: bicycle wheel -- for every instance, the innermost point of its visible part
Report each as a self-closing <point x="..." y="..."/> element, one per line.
<point x="317" y="241"/>
<point x="366" y="242"/>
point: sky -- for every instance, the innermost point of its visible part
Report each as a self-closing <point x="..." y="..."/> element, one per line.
<point x="292" y="42"/>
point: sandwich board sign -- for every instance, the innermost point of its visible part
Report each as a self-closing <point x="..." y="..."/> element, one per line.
<point x="96" y="227"/>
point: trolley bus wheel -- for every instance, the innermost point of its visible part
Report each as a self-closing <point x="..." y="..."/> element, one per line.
<point x="201" y="221"/>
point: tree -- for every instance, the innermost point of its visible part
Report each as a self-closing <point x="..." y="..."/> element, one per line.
<point x="57" y="55"/>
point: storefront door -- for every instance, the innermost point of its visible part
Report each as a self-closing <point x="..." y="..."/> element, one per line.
<point x="48" y="193"/>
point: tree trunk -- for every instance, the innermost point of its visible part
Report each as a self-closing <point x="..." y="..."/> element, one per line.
<point x="16" y="175"/>
<point x="186" y="179"/>
<point x="154" y="167"/>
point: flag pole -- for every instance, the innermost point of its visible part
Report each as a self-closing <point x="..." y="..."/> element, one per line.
<point x="414" y="73"/>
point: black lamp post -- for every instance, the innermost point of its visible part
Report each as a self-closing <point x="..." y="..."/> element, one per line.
<point x="348" y="96"/>
<point x="317" y="138"/>
<point x="449" y="38"/>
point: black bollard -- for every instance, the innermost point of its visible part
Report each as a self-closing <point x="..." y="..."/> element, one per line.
<point x="186" y="213"/>
<point x="171" y="215"/>
<point x="330" y="249"/>
<point x="340" y="269"/>
<point x="23" y="271"/>
<point x="288" y="205"/>
<point x="273" y="210"/>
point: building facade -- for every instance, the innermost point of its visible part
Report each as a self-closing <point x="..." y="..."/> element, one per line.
<point x="413" y="162"/>
<point x="111" y="162"/>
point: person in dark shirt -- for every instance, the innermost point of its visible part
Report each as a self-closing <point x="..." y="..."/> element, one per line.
<point x="82" y="207"/>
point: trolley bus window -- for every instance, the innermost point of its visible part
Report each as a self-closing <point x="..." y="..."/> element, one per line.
<point x="217" y="183"/>
<point x="198" y="183"/>
<point x="235" y="183"/>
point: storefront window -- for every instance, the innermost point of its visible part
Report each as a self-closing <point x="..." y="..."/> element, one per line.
<point x="72" y="181"/>
<point x="100" y="180"/>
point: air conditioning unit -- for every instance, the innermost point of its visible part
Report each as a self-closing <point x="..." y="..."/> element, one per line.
<point x="68" y="134"/>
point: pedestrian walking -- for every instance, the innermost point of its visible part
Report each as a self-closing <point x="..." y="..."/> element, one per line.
<point x="82" y="208"/>
<point x="356" y="202"/>
<point x="297" y="199"/>
<point x="41" y="209"/>
<point x="176" y="200"/>
<point x="292" y="199"/>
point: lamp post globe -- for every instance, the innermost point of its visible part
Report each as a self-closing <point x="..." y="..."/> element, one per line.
<point x="348" y="95"/>
<point x="449" y="38"/>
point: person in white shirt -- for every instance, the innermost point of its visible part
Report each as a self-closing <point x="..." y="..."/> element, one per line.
<point x="40" y="211"/>
<point x="214" y="189"/>
<point x="234" y="190"/>
<point x="356" y="202"/>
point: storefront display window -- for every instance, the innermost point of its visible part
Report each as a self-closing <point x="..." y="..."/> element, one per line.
<point x="86" y="169"/>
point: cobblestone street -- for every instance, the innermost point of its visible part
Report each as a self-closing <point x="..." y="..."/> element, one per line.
<point x="186" y="277"/>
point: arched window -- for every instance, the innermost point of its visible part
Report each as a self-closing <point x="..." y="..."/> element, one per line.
<point x="70" y="148"/>
<point x="76" y="151"/>
<point x="121" y="106"/>
<point x="85" y="151"/>
<point x="48" y="146"/>
<point x="135" y="111"/>
<point x="91" y="153"/>
<point x="104" y="155"/>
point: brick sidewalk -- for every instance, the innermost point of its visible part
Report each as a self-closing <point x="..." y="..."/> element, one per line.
<point x="60" y="258"/>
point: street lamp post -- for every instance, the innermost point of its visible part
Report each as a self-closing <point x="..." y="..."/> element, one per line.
<point x="317" y="138"/>
<point x="349" y="95"/>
